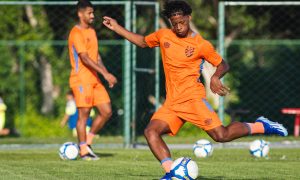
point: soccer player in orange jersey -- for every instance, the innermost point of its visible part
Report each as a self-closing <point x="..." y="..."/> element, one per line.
<point x="183" y="51"/>
<point x="88" y="90"/>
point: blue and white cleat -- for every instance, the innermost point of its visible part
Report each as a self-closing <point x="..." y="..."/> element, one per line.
<point x="89" y="157"/>
<point x="167" y="176"/>
<point x="272" y="127"/>
<point x="90" y="150"/>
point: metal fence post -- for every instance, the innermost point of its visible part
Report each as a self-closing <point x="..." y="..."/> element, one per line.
<point x="221" y="27"/>
<point x="127" y="79"/>
<point x="21" y="86"/>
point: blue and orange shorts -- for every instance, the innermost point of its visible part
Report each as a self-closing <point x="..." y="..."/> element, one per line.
<point x="197" y="112"/>
<point x="89" y="95"/>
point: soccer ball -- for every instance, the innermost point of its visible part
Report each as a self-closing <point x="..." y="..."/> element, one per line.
<point x="184" y="168"/>
<point x="259" y="148"/>
<point x="203" y="148"/>
<point x="68" y="151"/>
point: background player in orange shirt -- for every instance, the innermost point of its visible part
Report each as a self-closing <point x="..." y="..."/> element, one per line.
<point x="88" y="90"/>
<point x="183" y="51"/>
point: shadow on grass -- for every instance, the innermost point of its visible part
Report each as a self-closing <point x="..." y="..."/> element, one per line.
<point x="222" y="177"/>
<point x="210" y="178"/>
<point x="103" y="155"/>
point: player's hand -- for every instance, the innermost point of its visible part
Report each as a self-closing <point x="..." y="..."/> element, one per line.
<point x="216" y="86"/>
<point x="110" y="23"/>
<point x="111" y="79"/>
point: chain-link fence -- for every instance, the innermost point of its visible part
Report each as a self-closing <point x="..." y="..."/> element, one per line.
<point x="35" y="63"/>
<point x="262" y="44"/>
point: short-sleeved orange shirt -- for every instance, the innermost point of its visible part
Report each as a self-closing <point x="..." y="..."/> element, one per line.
<point x="182" y="60"/>
<point x="82" y="40"/>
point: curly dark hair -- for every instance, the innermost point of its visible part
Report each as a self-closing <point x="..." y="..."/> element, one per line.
<point x="82" y="4"/>
<point x="176" y="7"/>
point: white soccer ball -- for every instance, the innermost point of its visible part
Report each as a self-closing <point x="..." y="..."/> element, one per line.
<point x="203" y="148"/>
<point x="184" y="168"/>
<point x="68" y="151"/>
<point x="259" y="148"/>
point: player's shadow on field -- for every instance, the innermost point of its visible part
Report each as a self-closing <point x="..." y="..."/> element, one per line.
<point x="222" y="177"/>
<point x="211" y="178"/>
<point x="104" y="155"/>
<point x="208" y="178"/>
<point x="216" y="178"/>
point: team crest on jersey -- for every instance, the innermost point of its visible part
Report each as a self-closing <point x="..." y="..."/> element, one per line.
<point x="167" y="44"/>
<point x="189" y="51"/>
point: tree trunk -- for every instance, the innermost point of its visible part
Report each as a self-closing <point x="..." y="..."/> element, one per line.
<point x="45" y="69"/>
<point x="46" y="85"/>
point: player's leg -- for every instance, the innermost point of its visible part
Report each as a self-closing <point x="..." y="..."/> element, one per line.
<point x="104" y="115"/>
<point x="163" y="121"/>
<point x="233" y="131"/>
<point x="83" y="114"/>
<point x="153" y="132"/>
<point x="102" y="102"/>
<point x="4" y="132"/>
<point x="238" y="129"/>
<point x="200" y="113"/>
<point x="82" y="95"/>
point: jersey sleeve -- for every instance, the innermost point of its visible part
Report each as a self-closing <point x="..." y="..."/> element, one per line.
<point x="153" y="39"/>
<point x="209" y="53"/>
<point x="78" y="42"/>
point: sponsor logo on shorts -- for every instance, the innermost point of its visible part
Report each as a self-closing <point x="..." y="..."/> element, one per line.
<point x="88" y="100"/>
<point x="208" y="121"/>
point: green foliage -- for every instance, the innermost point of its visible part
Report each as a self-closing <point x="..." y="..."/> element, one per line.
<point x="37" y="125"/>
<point x="251" y="64"/>
<point x="189" y="129"/>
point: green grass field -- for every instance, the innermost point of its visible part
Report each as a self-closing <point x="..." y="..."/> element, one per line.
<point x="140" y="164"/>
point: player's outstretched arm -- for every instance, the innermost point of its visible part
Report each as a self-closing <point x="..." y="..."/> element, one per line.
<point x="113" y="25"/>
<point x="64" y="120"/>
<point x="215" y="84"/>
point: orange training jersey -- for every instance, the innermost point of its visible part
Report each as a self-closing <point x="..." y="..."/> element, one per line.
<point x="182" y="60"/>
<point x="82" y="40"/>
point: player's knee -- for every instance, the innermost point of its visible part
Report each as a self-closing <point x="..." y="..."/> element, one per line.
<point x="110" y="114"/>
<point x="220" y="137"/>
<point x="82" y="119"/>
<point x="83" y="114"/>
<point x="107" y="115"/>
<point x="149" y="133"/>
